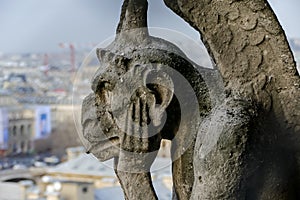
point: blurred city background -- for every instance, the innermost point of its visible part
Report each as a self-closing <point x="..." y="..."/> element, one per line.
<point x="42" y="46"/>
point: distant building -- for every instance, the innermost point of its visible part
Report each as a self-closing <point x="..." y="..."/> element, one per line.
<point x="59" y="117"/>
<point x="43" y="121"/>
<point x="48" y="190"/>
<point x="83" y="177"/>
<point x="74" y="152"/>
<point x="19" y="136"/>
<point x="88" y="168"/>
<point x="85" y="168"/>
<point x="66" y="190"/>
<point x="21" y="125"/>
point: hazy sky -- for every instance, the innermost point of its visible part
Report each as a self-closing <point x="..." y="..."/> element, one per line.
<point x="38" y="26"/>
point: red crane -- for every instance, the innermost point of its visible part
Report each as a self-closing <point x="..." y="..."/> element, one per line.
<point x="46" y="59"/>
<point x="72" y="54"/>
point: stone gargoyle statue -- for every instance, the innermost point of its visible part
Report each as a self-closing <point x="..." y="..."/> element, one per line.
<point x="227" y="142"/>
<point x="148" y="91"/>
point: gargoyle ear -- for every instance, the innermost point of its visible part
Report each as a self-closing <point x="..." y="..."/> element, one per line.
<point x="162" y="86"/>
<point x="101" y="53"/>
<point x="106" y="55"/>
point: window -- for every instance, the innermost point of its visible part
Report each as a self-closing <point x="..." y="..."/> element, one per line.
<point x="14" y="131"/>
<point x="15" y="148"/>
<point x="84" y="190"/>
<point x="29" y="146"/>
<point x="23" y="146"/>
<point x="22" y="130"/>
<point x="29" y="129"/>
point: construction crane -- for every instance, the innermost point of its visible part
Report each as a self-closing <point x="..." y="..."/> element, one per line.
<point x="46" y="59"/>
<point x="71" y="47"/>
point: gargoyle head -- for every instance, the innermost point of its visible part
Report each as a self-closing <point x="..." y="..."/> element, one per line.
<point x="129" y="94"/>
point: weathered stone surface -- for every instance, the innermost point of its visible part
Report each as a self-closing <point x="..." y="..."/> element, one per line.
<point x="262" y="73"/>
<point x="149" y="90"/>
<point x="237" y="142"/>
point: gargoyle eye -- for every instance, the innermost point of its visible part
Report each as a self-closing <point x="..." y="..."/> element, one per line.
<point x="103" y="85"/>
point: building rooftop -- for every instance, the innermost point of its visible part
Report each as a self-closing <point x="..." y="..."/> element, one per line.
<point x="87" y="164"/>
<point x="7" y="100"/>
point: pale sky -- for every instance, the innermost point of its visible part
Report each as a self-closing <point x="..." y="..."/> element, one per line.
<point x="39" y="26"/>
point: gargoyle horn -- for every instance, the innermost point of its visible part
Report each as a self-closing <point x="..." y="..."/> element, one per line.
<point x="133" y="16"/>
